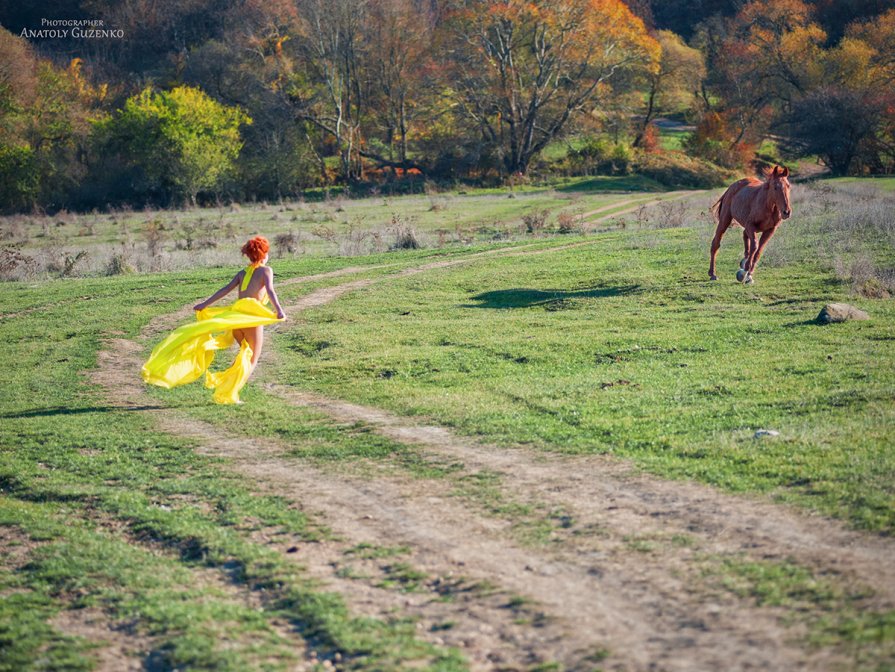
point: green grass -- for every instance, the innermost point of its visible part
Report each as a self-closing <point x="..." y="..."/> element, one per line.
<point x="451" y="216"/>
<point x="116" y="517"/>
<point x="618" y="346"/>
<point x="622" y="346"/>
<point x="883" y="183"/>
<point x="833" y="613"/>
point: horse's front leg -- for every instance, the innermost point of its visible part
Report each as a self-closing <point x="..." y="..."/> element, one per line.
<point x="750" y="246"/>
<point x="765" y="237"/>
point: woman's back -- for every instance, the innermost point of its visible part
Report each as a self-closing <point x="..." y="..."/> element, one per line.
<point x="253" y="283"/>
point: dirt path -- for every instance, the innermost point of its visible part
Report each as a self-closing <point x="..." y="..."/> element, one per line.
<point x="636" y="204"/>
<point x="592" y="588"/>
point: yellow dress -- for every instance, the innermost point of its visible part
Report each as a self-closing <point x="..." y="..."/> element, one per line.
<point x="189" y="350"/>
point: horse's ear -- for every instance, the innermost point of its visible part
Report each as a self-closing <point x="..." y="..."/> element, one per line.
<point x="785" y="172"/>
<point x="776" y="172"/>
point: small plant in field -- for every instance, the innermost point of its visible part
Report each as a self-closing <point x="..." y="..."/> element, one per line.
<point x="534" y="222"/>
<point x="120" y="264"/>
<point x="14" y="264"/>
<point x="325" y="232"/>
<point x="404" y="233"/>
<point x="155" y="236"/>
<point x="437" y="201"/>
<point x="64" y="263"/>
<point x="354" y="241"/>
<point x="287" y="243"/>
<point x="566" y="222"/>
<point x="672" y="214"/>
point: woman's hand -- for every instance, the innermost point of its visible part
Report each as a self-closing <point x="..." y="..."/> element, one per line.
<point x="199" y="306"/>
<point x="281" y="315"/>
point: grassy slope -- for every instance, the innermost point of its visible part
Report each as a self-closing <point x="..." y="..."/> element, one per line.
<point x="623" y="346"/>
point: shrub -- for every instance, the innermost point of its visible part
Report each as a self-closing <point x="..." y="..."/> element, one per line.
<point x="14" y="265"/>
<point x="119" y="264"/>
<point x="599" y="156"/>
<point x="405" y="235"/>
<point x="287" y="243"/>
<point x="566" y="222"/>
<point x="677" y="170"/>
<point x="534" y="222"/>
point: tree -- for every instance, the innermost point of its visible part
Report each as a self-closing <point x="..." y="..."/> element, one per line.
<point x="396" y="38"/>
<point x="178" y="142"/>
<point x="326" y="89"/>
<point x="838" y="124"/>
<point x="771" y="54"/>
<point x="675" y="83"/>
<point x="523" y="69"/>
<point x="44" y="125"/>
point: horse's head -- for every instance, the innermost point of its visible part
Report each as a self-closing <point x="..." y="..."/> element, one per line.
<point x="778" y="191"/>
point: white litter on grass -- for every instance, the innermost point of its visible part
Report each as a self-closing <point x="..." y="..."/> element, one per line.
<point x="766" y="432"/>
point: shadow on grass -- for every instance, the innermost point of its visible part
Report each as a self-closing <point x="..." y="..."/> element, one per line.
<point x="526" y="298"/>
<point x="62" y="410"/>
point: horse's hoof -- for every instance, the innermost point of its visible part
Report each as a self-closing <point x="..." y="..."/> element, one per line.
<point x="741" y="275"/>
<point x="712" y="276"/>
<point x="748" y="280"/>
<point x="743" y="263"/>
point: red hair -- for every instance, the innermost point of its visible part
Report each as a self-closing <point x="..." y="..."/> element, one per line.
<point x="256" y="248"/>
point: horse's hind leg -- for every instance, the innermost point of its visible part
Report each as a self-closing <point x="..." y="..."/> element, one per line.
<point x="724" y="221"/>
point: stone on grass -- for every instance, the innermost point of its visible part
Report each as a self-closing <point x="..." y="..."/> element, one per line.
<point x="761" y="433"/>
<point x="840" y="312"/>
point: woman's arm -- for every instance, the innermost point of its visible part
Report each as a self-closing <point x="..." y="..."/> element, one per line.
<point x="268" y="284"/>
<point x="220" y="294"/>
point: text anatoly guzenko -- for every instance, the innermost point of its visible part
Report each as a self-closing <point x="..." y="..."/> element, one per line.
<point x="75" y="33"/>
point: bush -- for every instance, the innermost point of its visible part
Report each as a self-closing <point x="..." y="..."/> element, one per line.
<point x="535" y="222"/>
<point x="287" y="243"/>
<point x="599" y="156"/>
<point x="677" y="170"/>
<point x="405" y="235"/>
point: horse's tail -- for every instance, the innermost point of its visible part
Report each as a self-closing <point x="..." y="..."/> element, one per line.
<point x="716" y="208"/>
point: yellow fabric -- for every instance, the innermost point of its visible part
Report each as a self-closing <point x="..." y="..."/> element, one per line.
<point x="189" y="350"/>
<point x="227" y="384"/>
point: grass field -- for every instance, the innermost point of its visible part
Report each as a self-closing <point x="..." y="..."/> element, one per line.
<point x="567" y="399"/>
<point x="93" y="244"/>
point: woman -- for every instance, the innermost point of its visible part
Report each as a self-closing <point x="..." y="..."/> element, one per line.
<point x="189" y="350"/>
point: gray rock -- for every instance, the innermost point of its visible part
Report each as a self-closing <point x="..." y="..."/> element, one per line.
<point x="840" y="312"/>
<point x="766" y="432"/>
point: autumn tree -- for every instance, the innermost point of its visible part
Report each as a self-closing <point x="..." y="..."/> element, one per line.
<point x="523" y="69"/>
<point x="848" y="119"/>
<point x="323" y="83"/>
<point x="675" y="83"/>
<point x="397" y="38"/>
<point x="44" y="126"/>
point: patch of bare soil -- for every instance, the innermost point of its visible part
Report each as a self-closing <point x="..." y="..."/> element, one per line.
<point x="613" y="578"/>
<point x="117" y="649"/>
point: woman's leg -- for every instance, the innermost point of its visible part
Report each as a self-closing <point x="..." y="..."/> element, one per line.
<point x="255" y="338"/>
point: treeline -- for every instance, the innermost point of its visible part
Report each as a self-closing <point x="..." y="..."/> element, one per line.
<point x="223" y="99"/>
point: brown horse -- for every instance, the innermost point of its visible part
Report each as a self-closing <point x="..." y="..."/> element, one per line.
<point x="758" y="207"/>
